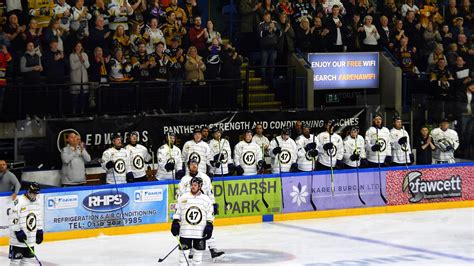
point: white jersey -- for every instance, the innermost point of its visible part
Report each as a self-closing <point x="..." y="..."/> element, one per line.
<point x="247" y="156"/>
<point x="382" y="136"/>
<point x="442" y="139"/>
<point x="194" y="211"/>
<point x="165" y="154"/>
<point x="138" y="156"/>
<point x="184" y="185"/>
<point x="117" y="16"/>
<point x="305" y="162"/>
<point x="155" y="36"/>
<point x="261" y="140"/>
<point x="80" y="19"/>
<point x="198" y="151"/>
<point x="27" y="216"/>
<point x="64" y="21"/>
<point x="226" y="155"/>
<point x="286" y="158"/>
<point x="333" y="155"/>
<point x="121" y="167"/>
<point x="400" y="153"/>
<point x="352" y="145"/>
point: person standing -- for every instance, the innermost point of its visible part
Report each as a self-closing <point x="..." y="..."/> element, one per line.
<point x="283" y="152"/>
<point x="248" y="155"/>
<point x="354" y="149"/>
<point x="400" y="141"/>
<point x="307" y="144"/>
<point x="269" y="33"/>
<point x="424" y="147"/>
<point x="26" y="226"/>
<point x="446" y="141"/>
<point x="197" y="149"/>
<point x="377" y="143"/>
<point x="221" y="154"/>
<point x="8" y="181"/>
<point x="116" y="162"/>
<point x="169" y="159"/>
<point x="79" y="64"/>
<point x="74" y="156"/>
<point x="331" y="149"/>
<point x="138" y="156"/>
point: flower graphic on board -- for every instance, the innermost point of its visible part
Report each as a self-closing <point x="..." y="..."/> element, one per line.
<point x="299" y="194"/>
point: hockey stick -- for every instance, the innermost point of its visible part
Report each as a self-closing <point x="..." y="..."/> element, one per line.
<point x="33" y="252"/>
<point x="263" y="176"/>
<point x="279" y="172"/>
<point x="380" y="170"/>
<point x="172" y="171"/>
<point x="116" y="189"/>
<point x="164" y="258"/>
<point x="332" y="168"/>
<point x="226" y="204"/>
<point x="311" y="188"/>
<point x="357" y="171"/>
<point x="181" y="247"/>
<point x="406" y="144"/>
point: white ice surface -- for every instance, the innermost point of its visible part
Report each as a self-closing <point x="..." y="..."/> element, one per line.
<point x="444" y="237"/>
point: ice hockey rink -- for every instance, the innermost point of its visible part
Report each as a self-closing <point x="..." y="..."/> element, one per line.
<point x="441" y="237"/>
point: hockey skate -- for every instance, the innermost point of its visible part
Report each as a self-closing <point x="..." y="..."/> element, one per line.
<point x="216" y="255"/>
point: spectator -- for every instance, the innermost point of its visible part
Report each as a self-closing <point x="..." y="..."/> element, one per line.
<point x="365" y="8"/>
<point x="16" y="35"/>
<point x="179" y="12"/>
<point x="100" y="36"/>
<point x="424" y="146"/>
<point x="79" y="64"/>
<point x="155" y="36"/>
<point x="355" y="34"/>
<point x="409" y="6"/>
<point x="17" y="8"/>
<point x="176" y="74"/>
<point x="286" y="43"/>
<point x="157" y="10"/>
<point x="194" y="66"/>
<point x="141" y="64"/>
<point x="198" y="36"/>
<point x="99" y="9"/>
<point x="386" y="33"/>
<point x="315" y="9"/>
<point x="80" y="21"/>
<point x="30" y="65"/>
<point x="119" y="67"/>
<point x="172" y="28"/>
<point x="451" y="12"/>
<point x="269" y="32"/>
<point x="119" y="11"/>
<point x="465" y="113"/>
<point x="406" y="58"/>
<point x="391" y="11"/>
<point x="5" y="58"/>
<point x="136" y="37"/>
<point x="74" y="156"/>
<point x="304" y="36"/>
<point x="98" y="66"/>
<point x="467" y="12"/>
<point x="301" y="10"/>
<point x="412" y="29"/>
<point x="191" y="10"/>
<point x="429" y="13"/>
<point x="138" y="14"/>
<point x="434" y="57"/>
<point x="320" y="34"/>
<point x="121" y="41"/>
<point x="212" y="33"/>
<point x="33" y="34"/>
<point x="54" y="64"/>
<point x="464" y="50"/>
<point x="431" y="37"/>
<point x="399" y="33"/>
<point x="53" y="32"/>
<point x="231" y="62"/>
<point x="459" y="28"/>
<point x="446" y="36"/>
<point x="267" y="6"/>
<point x="461" y="74"/>
<point x="62" y="12"/>
<point x="452" y="54"/>
<point x="337" y="34"/>
<point x="248" y="21"/>
<point x="41" y="11"/>
<point x="8" y="181"/>
<point x="213" y="60"/>
<point x="285" y="7"/>
<point x="160" y="63"/>
<point x="441" y="80"/>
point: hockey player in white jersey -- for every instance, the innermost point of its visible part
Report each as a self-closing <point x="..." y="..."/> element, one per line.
<point x="283" y="152"/>
<point x="169" y="158"/>
<point x="26" y="226"/>
<point x="331" y="148"/>
<point x="185" y="186"/>
<point x="307" y="144"/>
<point x="221" y="154"/>
<point x="446" y="141"/>
<point x="248" y="156"/>
<point x="138" y="156"/>
<point x="116" y="162"/>
<point x="377" y="143"/>
<point x="354" y="149"/>
<point x="193" y="223"/>
<point x="400" y="141"/>
<point x="260" y="139"/>
<point x="198" y="150"/>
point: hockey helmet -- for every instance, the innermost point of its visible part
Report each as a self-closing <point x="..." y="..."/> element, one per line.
<point x="355" y="128"/>
<point x="285" y="131"/>
<point x="196" y="130"/>
<point x="305" y="125"/>
<point x="33" y="188"/>
<point x="214" y="130"/>
<point x="197" y="180"/>
<point x="116" y="136"/>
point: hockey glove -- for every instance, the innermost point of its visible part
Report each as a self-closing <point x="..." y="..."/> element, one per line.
<point x="180" y="174"/>
<point x="449" y="148"/>
<point x="216" y="208"/>
<point x="294" y="167"/>
<point x="207" y="234"/>
<point x="231" y="167"/>
<point x="260" y="164"/>
<point x="130" y="177"/>
<point x="39" y="237"/>
<point x="313" y="153"/>
<point x="354" y="157"/>
<point x="21" y="236"/>
<point x="402" y="140"/>
<point x="339" y="164"/>
<point x="217" y="164"/>
<point x="376" y="147"/>
<point x="328" y="146"/>
<point x="277" y="150"/>
<point x="240" y="170"/>
<point x="310" y="146"/>
<point x="169" y="166"/>
<point x="364" y="162"/>
<point x="175" y="226"/>
<point x="412" y="159"/>
<point x="109" y="165"/>
<point x="388" y="160"/>
<point x="216" y="157"/>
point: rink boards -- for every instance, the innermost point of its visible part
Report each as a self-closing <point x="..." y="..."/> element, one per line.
<point x="145" y="207"/>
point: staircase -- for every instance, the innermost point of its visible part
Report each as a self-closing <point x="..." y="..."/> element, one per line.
<point x="260" y="96"/>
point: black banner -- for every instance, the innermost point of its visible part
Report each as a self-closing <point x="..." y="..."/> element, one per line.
<point x="96" y="133"/>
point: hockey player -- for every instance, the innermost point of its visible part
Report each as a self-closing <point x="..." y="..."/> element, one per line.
<point x="221" y="154"/>
<point x="377" y="143"/>
<point x="307" y="144"/>
<point x="446" y="141"/>
<point x="400" y="141"/>
<point x="169" y="158"/>
<point x="354" y="149"/>
<point x="260" y="139"/>
<point x="185" y="187"/>
<point x="283" y="152"/>
<point x="26" y="226"/>
<point x="116" y="162"/>
<point x="192" y="222"/>
<point x="248" y="156"/>
<point x="331" y="148"/>
<point x="138" y="156"/>
<point x="198" y="150"/>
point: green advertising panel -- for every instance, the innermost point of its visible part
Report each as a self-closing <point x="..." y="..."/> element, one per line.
<point x="244" y="197"/>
